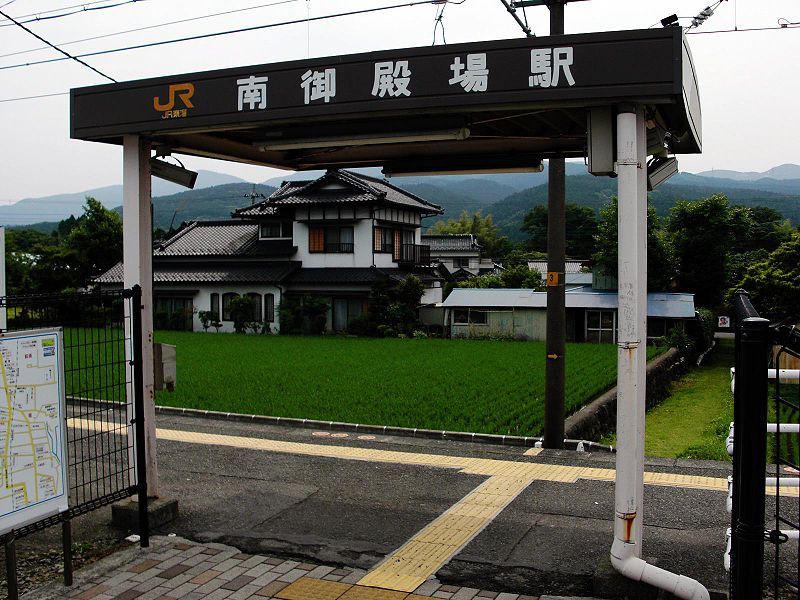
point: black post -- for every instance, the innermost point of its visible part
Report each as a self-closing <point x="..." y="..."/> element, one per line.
<point x="66" y="542"/>
<point x="556" y="311"/>
<point x="750" y="451"/>
<point x="11" y="565"/>
<point x="138" y="409"/>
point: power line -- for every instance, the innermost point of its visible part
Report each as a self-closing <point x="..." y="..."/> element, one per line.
<point x="219" y="33"/>
<point x="52" y="10"/>
<point x="156" y="26"/>
<point x="67" y="54"/>
<point x="33" y="97"/>
<point x="75" y="12"/>
<point x="744" y="29"/>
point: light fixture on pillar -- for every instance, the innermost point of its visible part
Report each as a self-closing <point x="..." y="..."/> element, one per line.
<point x="659" y="169"/>
<point x="174" y="173"/>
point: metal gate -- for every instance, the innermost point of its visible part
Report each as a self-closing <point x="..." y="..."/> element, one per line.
<point x="103" y="382"/>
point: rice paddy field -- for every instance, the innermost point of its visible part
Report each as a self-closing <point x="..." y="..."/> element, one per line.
<point x="458" y="385"/>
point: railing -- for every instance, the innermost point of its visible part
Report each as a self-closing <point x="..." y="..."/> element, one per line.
<point x="415" y="254"/>
<point x="341" y="247"/>
<point x="754" y="340"/>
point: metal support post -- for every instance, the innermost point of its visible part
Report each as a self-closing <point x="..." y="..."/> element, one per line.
<point x="9" y="542"/>
<point x="750" y="450"/>
<point x="555" y="364"/>
<point x="141" y="422"/>
<point x="66" y="544"/>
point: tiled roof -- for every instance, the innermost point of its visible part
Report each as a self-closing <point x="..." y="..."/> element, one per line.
<point x="451" y="242"/>
<point x="357" y="189"/>
<point x="190" y="273"/>
<point x="211" y="238"/>
<point x="366" y="275"/>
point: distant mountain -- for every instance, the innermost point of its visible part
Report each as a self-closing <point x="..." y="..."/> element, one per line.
<point x="786" y="171"/>
<point x="216" y="202"/>
<point x="594" y="192"/>
<point x="61" y="206"/>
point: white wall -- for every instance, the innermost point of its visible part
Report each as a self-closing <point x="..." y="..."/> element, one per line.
<point x="362" y="248"/>
<point x="202" y="301"/>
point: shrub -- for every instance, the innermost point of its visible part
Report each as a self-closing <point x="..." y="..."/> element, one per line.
<point x="208" y="318"/>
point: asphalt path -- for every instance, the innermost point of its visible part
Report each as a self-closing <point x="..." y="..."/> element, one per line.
<point x="552" y="538"/>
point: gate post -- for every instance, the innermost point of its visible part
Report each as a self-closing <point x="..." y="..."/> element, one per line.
<point x="750" y="451"/>
<point x="137" y="249"/>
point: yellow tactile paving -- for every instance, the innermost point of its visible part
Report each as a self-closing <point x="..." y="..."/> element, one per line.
<point x="418" y="559"/>
<point x="313" y="589"/>
<point x="365" y="593"/>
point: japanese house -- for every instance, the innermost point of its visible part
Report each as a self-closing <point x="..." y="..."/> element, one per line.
<point x="332" y="237"/>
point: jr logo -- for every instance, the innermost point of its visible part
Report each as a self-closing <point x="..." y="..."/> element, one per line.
<point x="184" y="91"/>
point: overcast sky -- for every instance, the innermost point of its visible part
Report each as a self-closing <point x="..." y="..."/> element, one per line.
<point x="749" y="85"/>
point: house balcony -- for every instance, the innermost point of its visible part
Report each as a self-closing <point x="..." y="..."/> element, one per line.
<point x="414" y="255"/>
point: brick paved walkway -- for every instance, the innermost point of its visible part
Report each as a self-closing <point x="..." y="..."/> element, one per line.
<point x="173" y="568"/>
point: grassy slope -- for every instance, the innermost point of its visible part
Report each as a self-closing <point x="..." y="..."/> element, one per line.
<point x="693" y="422"/>
<point x="465" y="385"/>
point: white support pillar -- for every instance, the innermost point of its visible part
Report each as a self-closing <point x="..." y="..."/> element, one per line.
<point x="626" y="549"/>
<point x="632" y="324"/>
<point x="137" y="257"/>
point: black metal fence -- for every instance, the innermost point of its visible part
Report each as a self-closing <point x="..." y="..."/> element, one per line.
<point x="754" y="342"/>
<point x="104" y="430"/>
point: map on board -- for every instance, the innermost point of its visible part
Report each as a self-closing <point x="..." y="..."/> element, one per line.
<point x="33" y="469"/>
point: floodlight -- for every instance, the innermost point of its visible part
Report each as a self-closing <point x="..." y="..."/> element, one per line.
<point x="366" y="139"/>
<point x="659" y="170"/>
<point x="174" y="173"/>
<point x="669" y="21"/>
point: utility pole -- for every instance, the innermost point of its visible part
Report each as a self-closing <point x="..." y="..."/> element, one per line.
<point x="556" y="310"/>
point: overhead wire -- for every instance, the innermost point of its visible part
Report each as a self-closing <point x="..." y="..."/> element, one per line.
<point x="156" y="26"/>
<point x="437" y="22"/>
<point x="53" y="10"/>
<point x="75" y="12"/>
<point x="221" y="33"/>
<point x="64" y="52"/>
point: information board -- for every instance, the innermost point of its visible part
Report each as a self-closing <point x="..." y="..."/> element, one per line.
<point x="32" y="427"/>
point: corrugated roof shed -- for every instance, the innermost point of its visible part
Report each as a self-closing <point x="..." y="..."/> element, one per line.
<point x="671" y="305"/>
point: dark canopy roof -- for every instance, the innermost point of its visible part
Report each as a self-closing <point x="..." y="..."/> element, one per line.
<point x="408" y="109"/>
<point x="335" y="187"/>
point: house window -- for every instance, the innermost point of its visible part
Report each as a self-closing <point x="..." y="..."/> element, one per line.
<point x="255" y="306"/>
<point x="269" y="308"/>
<point x="470" y="316"/>
<point x="173" y="313"/>
<point x="461" y="263"/>
<point x="276" y="229"/>
<point x="344" y="311"/>
<point x="215" y="304"/>
<point x="384" y="240"/>
<point x="226" y="305"/>
<point x="600" y="326"/>
<point x="331" y="239"/>
<point x="398" y="245"/>
<point x="316" y="239"/>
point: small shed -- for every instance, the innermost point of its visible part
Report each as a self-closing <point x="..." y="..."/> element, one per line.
<point x="522" y="314"/>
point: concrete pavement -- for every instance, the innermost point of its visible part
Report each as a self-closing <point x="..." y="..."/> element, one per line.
<point x="406" y="512"/>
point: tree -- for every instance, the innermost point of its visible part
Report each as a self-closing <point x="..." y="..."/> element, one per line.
<point x="95" y="243"/>
<point x="581" y="227"/>
<point x="699" y="231"/>
<point x="774" y="283"/>
<point x="660" y="266"/>
<point x="494" y="245"/>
